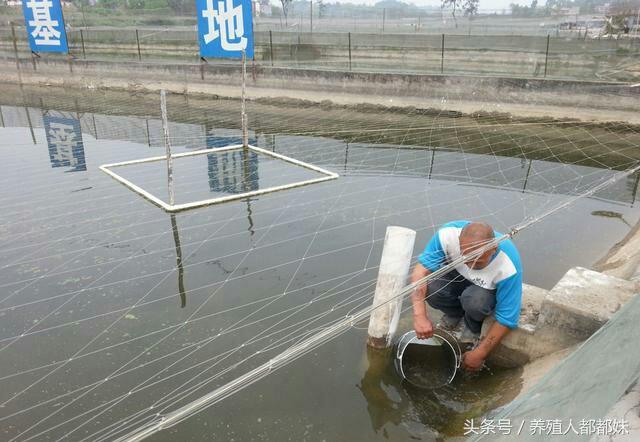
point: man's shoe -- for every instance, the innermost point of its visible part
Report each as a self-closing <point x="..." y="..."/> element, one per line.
<point x="469" y="337"/>
<point x="449" y="323"/>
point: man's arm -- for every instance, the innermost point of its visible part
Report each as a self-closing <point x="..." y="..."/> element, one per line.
<point x="474" y="359"/>
<point x="421" y="322"/>
<point x="508" y="300"/>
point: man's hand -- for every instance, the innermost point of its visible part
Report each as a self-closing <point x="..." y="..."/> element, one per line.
<point x="473" y="360"/>
<point x="423" y="327"/>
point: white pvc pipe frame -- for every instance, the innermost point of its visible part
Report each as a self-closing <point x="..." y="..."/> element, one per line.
<point x="178" y="207"/>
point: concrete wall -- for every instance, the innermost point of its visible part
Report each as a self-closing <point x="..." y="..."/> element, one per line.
<point x="575" y="308"/>
<point x="316" y="84"/>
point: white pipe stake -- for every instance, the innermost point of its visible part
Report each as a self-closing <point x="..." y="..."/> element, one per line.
<point x="392" y="276"/>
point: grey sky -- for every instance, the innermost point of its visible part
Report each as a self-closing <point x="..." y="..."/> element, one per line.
<point x="484" y="4"/>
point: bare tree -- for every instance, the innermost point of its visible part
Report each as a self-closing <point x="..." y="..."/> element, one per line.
<point x="285" y="9"/>
<point x="467" y="7"/>
<point x="621" y="16"/>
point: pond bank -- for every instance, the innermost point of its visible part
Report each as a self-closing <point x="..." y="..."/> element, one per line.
<point x="521" y="96"/>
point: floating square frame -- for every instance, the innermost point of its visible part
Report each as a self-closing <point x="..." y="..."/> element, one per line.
<point x="328" y="175"/>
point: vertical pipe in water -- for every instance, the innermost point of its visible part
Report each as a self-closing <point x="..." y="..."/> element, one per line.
<point x="167" y="144"/>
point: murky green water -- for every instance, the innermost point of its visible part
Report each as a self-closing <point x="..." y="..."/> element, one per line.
<point x="109" y="305"/>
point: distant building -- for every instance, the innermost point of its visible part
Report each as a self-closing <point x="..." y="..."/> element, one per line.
<point x="568" y="11"/>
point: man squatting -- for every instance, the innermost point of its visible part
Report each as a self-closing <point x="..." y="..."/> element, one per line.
<point x="490" y="283"/>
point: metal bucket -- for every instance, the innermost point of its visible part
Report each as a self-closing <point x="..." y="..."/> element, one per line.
<point x="427" y="363"/>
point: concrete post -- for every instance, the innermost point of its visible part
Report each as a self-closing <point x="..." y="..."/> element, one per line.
<point x="392" y="277"/>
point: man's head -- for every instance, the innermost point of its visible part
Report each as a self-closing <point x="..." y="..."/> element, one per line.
<point x="474" y="236"/>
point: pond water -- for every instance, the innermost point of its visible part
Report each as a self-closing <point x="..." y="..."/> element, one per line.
<point x="114" y="312"/>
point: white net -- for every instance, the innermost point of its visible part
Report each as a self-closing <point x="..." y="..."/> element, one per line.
<point x="95" y="344"/>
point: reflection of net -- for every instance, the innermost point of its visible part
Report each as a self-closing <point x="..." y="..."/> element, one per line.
<point x="317" y="247"/>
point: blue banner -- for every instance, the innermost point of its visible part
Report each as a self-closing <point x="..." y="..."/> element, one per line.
<point x="225" y="28"/>
<point x="45" y="25"/>
<point x="64" y="138"/>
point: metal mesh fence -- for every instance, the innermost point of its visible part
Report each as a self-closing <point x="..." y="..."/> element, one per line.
<point x="528" y="56"/>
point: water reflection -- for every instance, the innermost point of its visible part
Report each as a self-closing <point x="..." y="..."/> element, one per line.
<point x="397" y="170"/>
<point x="64" y="139"/>
<point x="231" y="172"/>
<point x="379" y="388"/>
<point x="176" y="240"/>
<point x="430" y="413"/>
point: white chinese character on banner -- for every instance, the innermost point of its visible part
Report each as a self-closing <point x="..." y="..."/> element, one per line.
<point x="230" y="25"/>
<point x="44" y="26"/>
<point x="63" y="137"/>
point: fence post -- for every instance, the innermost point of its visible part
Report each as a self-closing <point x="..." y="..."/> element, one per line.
<point x="384" y="17"/>
<point x="349" y="50"/>
<point x="442" y="56"/>
<point x="138" y="42"/>
<point x="84" y="54"/>
<point x="271" y="46"/>
<point x="311" y="16"/>
<point x="15" y="45"/>
<point x="546" y="57"/>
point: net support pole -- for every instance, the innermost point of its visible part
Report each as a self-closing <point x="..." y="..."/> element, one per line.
<point x="167" y="144"/>
<point x="245" y="128"/>
<point x="392" y="276"/>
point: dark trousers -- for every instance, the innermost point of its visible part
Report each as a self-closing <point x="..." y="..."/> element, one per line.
<point x="453" y="295"/>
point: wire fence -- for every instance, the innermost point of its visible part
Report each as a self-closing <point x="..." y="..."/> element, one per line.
<point x="528" y="56"/>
